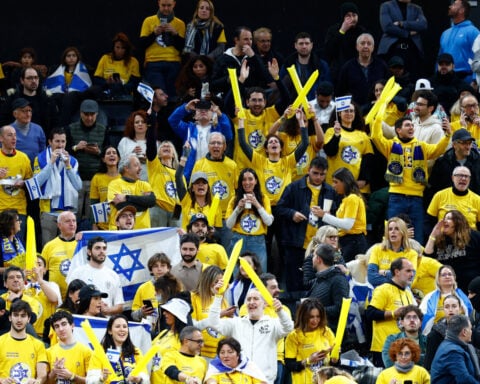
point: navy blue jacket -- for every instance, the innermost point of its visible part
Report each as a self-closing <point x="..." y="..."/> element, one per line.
<point x="296" y="197"/>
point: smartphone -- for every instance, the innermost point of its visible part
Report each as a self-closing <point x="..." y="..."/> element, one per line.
<point x="148" y="303"/>
<point x="116" y="77"/>
<point x="91" y="144"/>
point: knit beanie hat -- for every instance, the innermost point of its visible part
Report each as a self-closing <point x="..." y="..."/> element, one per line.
<point x="474" y="285"/>
<point x="348" y="7"/>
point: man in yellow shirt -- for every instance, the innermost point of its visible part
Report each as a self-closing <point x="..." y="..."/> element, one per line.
<point x="163" y="38"/>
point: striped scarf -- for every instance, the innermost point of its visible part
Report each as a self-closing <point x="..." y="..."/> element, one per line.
<point x="396" y="163"/>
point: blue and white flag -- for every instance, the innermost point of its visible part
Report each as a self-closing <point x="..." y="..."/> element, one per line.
<point x="128" y="253"/>
<point x="101" y="212"/>
<point x="81" y="81"/>
<point x="342" y="103"/>
<point x="146" y="91"/>
<point x="33" y="188"/>
<point x="139" y="332"/>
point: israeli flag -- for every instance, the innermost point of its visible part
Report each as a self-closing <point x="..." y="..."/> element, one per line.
<point x="81" y="81"/>
<point x="101" y="212"/>
<point x="128" y="254"/>
<point x="33" y="188"/>
<point x="139" y="332"/>
<point x="342" y="103"/>
<point x="146" y="91"/>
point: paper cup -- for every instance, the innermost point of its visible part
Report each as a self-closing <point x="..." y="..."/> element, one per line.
<point x="327" y="204"/>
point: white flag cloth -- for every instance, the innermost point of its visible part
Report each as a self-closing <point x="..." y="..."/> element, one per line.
<point x="146" y="91"/>
<point x="139" y="332"/>
<point x="101" y="212"/>
<point x="343" y="102"/>
<point x="33" y="188"/>
<point x="128" y="253"/>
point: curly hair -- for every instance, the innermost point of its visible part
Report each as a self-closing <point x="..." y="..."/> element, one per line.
<point x="399" y="344"/>
<point x="130" y="123"/>
<point x="461" y="237"/>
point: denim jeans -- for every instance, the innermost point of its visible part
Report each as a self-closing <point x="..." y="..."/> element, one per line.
<point x="254" y="244"/>
<point x="159" y="217"/>
<point x="410" y="205"/>
<point x="163" y="74"/>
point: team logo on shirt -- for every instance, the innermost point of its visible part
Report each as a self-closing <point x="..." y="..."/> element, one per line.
<point x="249" y="223"/>
<point x="302" y="163"/>
<point x="265" y="329"/>
<point x="170" y="189"/>
<point x="350" y="155"/>
<point x="273" y="185"/>
<point x="65" y="267"/>
<point x="221" y="188"/>
<point x="156" y="362"/>
<point x="11" y="190"/>
<point x="20" y="372"/>
<point x="256" y="139"/>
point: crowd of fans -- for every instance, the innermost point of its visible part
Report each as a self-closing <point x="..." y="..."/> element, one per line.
<point x="375" y="198"/>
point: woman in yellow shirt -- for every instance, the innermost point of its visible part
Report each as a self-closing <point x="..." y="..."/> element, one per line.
<point x="249" y="215"/>
<point x="350" y="218"/>
<point x="107" y="172"/>
<point x="308" y="346"/>
<point x="117" y="338"/>
<point x="395" y="244"/>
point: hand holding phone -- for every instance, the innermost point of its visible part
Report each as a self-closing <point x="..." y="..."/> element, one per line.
<point x="148" y="303"/>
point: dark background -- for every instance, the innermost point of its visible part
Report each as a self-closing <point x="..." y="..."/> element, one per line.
<point x="52" y="25"/>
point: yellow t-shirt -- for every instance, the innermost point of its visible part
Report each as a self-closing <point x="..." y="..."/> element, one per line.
<point x="10" y="197"/>
<point x="193" y="366"/>
<point x="353" y="207"/>
<point x="425" y="275"/>
<point x="58" y="255"/>
<point x="222" y="178"/>
<point x="387" y="297"/>
<point x="445" y="200"/>
<point x="167" y="341"/>
<point x="300" y="345"/>
<point x="122" y="369"/>
<point x="155" y="52"/>
<point x="472" y="128"/>
<point x="210" y="335"/>
<point x="213" y="254"/>
<point x="77" y="358"/>
<point x="312" y="225"/>
<point x="162" y="180"/>
<point x="107" y="67"/>
<point x="248" y="222"/>
<point x="351" y="148"/>
<point x="19" y="358"/>
<point x="274" y="176"/>
<point x="99" y="191"/>
<point x="384" y="258"/>
<point x="146" y="291"/>
<point x="121" y="186"/>
<point x="188" y="211"/>
<point x="417" y="375"/>
<point x="256" y="130"/>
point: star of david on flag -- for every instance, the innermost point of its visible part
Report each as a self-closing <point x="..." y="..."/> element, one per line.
<point x="101" y="211"/>
<point x="128" y="253"/>
<point x="342" y="103"/>
<point x="146" y="91"/>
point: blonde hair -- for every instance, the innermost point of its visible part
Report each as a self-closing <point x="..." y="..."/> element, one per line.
<point x="322" y="233"/>
<point x="386" y="245"/>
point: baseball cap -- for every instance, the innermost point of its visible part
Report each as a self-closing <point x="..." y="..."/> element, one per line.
<point x="396" y="61"/>
<point x="474" y="285"/>
<point x="462" y="134"/>
<point x="89" y="106"/>
<point x="423" y="85"/>
<point x="445" y="58"/>
<point x="128" y="208"/>
<point x="197" y="176"/>
<point x="89" y="291"/>
<point x="19" y="103"/>
<point x="197" y="217"/>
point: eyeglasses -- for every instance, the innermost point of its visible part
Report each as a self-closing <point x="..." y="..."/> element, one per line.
<point x="421" y="104"/>
<point x="215" y="143"/>
<point x="462" y="176"/>
<point x="446" y="274"/>
<point x="199" y="342"/>
<point x="25" y="110"/>
<point x="464" y="142"/>
<point x="404" y="354"/>
<point x="475" y="105"/>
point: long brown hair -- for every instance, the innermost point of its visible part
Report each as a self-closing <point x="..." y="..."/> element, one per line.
<point x="461" y="235"/>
